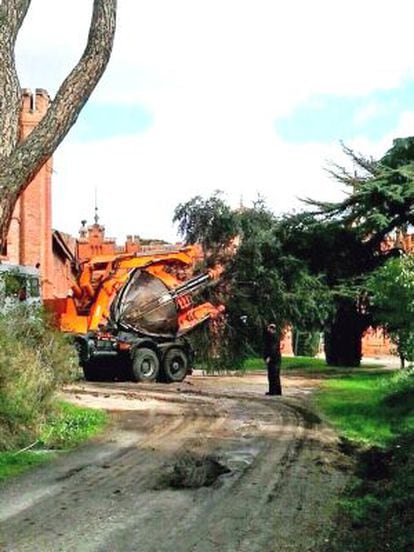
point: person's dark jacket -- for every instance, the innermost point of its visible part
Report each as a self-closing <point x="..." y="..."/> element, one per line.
<point x="272" y="347"/>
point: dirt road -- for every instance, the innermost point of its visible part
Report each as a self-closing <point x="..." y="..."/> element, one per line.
<point x="283" y="474"/>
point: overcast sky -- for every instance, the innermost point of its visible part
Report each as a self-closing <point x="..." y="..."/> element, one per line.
<point x="245" y="96"/>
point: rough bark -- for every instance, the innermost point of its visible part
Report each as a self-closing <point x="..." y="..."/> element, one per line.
<point x="19" y="162"/>
<point x="343" y="336"/>
<point x="12" y="14"/>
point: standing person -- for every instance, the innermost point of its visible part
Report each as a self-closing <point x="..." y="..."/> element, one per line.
<point x="273" y="359"/>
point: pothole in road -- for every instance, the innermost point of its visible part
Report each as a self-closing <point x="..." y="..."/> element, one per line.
<point x="191" y="471"/>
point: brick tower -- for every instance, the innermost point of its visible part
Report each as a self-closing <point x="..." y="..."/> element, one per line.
<point x="29" y="240"/>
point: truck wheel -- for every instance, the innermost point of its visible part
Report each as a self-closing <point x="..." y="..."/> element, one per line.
<point x="91" y="371"/>
<point x="175" y="365"/>
<point x="145" y="365"/>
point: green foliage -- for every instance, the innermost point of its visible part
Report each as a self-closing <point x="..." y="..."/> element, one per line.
<point x="68" y="425"/>
<point x="338" y="257"/>
<point x="34" y="361"/>
<point x="209" y="222"/>
<point x="358" y="507"/>
<point x="12" y="282"/>
<point x="329" y="248"/>
<point x="348" y="235"/>
<point x="257" y="220"/>
<point x="392" y="296"/>
<point x="306" y="343"/>
<point x="261" y="282"/>
<point x="307" y="269"/>
<point x="270" y="284"/>
<point x="382" y="192"/>
<point x="377" y="514"/>
<point x="209" y="340"/>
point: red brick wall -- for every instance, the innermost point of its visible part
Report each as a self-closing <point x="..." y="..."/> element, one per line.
<point x="30" y="237"/>
<point x="63" y="268"/>
<point x="376" y="343"/>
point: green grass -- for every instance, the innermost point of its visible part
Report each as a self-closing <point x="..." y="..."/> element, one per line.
<point x="67" y="427"/>
<point x="374" y="412"/>
<point x="308" y="365"/>
<point x="12" y="464"/>
<point x="71" y="425"/>
<point x="369" y="408"/>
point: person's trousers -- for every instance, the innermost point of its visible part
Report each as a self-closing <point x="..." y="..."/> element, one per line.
<point x="273" y="376"/>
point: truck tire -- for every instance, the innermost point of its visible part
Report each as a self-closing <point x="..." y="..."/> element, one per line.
<point x="145" y="365"/>
<point x="91" y="371"/>
<point x="175" y="365"/>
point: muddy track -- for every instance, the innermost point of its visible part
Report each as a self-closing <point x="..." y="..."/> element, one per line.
<point x="280" y="492"/>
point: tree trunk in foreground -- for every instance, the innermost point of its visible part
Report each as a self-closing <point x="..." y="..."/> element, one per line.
<point x="20" y="161"/>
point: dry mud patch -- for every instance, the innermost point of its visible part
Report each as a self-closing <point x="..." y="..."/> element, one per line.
<point x="257" y="473"/>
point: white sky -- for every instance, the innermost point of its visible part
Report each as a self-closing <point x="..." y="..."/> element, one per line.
<point x="215" y="75"/>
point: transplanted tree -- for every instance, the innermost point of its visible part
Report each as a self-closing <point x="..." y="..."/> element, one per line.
<point x="209" y="222"/>
<point x="261" y="283"/>
<point x="21" y="160"/>
<point x="269" y="285"/>
<point x="392" y="295"/>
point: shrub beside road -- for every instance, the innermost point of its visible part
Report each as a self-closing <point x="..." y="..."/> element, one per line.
<point x="35" y="360"/>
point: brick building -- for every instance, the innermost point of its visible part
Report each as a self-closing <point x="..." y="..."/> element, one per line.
<point x="92" y="242"/>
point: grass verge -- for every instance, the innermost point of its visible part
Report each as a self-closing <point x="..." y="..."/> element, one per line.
<point x="307" y="365"/>
<point x="374" y="413"/>
<point x="70" y="425"/>
<point x="67" y="427"/>
<point x="13" y="464"/>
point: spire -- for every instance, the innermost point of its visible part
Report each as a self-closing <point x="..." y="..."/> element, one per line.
<point x="96" y="217"/>
<point x="82" y="230"/>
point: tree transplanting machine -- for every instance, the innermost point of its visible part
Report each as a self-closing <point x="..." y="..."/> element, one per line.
<point x="133" y="313"/>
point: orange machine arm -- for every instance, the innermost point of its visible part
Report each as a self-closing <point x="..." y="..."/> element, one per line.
<point x="102" y="277"/>
<point x="154" y="263"/>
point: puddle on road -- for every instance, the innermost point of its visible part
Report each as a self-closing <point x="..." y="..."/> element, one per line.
<point x="239" y="459"/>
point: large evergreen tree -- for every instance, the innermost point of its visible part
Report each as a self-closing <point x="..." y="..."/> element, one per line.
<point x="336" y="254"/>
<point x="345" y="240"/>
<point x="381" y="193"/>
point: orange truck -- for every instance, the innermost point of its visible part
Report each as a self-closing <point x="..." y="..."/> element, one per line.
<point x="132" y="313"/>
